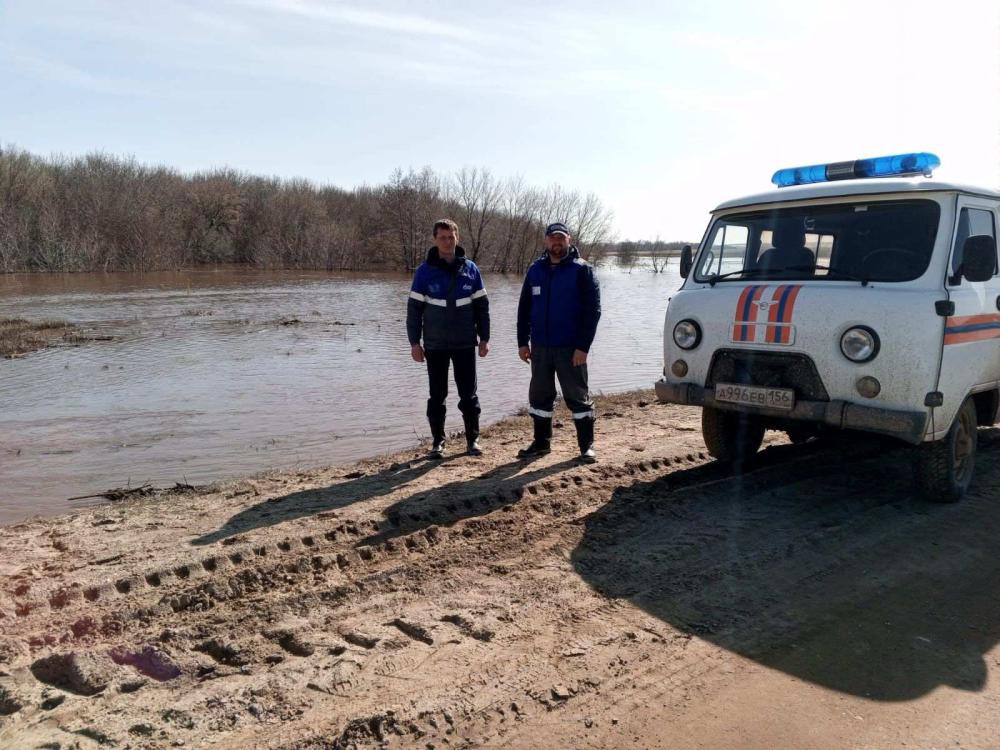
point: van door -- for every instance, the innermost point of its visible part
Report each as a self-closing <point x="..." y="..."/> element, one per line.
<point x="971" y="357"/>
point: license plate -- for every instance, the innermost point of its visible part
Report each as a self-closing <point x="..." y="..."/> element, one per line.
<point x="753" y="395"/>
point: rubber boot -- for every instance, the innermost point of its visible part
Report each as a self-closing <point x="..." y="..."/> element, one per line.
<point x="585" y="439"/>
<point x="437" y="438"/>
<point x="472" y="435"/>
<point x="542" y="443"/>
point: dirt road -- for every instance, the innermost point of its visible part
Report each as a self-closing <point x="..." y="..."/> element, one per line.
<point x="651" y="600"/>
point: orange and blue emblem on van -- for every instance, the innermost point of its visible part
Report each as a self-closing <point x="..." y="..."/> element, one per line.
<point x="745" y="328"/>
<point x="972" y="328"/>
<point x="777" y="307"/>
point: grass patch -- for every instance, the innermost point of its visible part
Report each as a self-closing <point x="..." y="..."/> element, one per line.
<point x="19" y="336"/>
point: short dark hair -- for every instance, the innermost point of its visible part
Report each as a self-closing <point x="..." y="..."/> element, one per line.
<point x="444" y="224"/>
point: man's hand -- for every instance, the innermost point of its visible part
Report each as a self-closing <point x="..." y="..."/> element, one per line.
<point x="524" y="353"/>
<point x="484" y="348"/>
<point x="579" y="358"/>
<point x="417" y="352"/>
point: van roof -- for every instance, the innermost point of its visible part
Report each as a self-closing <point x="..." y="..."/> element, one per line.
<point x="848" y="188"/>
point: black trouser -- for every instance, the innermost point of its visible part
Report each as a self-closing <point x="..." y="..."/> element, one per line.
<point x="548" y="363"/>
<point x="464" y="362"/>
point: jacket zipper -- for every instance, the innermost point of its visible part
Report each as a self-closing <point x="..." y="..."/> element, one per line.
<point x="450" y="305"/>
<point x="548" y="303"/>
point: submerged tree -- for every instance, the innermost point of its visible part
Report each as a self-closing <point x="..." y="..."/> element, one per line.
<point x="105" y="213"/>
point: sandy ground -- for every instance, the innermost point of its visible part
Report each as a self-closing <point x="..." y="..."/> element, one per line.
<point x="651" y="600"/>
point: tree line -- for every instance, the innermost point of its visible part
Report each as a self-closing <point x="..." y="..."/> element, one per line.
<point x="106" y="213"/>
<point x="629" y="253"/>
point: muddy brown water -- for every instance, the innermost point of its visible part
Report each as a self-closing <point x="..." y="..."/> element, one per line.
<point x="224" y="373"/>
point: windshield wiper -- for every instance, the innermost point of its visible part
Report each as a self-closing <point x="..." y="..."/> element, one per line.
<point x="755" y="271"/>
<point x="829" y="270"/>
<point x="743" y="272"/>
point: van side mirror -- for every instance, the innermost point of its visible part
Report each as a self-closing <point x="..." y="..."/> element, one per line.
<point x="687" y="261"/>
<point x="979" y="258"/>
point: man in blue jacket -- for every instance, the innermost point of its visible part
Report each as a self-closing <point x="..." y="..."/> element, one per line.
<point x="449" y="308"/>
<point x="556" y="322"/>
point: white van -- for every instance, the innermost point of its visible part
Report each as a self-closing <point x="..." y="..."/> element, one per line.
<point x="860" y="295"/>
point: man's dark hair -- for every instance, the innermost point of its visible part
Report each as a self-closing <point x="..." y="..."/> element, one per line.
<point x="444" y="224"/>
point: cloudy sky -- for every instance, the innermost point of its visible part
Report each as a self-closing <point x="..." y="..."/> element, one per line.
<point x="663" y="109"/>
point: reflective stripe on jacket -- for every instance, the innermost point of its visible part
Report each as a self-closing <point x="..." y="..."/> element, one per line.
<point x="448" y="305"/>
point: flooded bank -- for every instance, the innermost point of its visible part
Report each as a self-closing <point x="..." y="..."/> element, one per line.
<point x="212" y="375"/>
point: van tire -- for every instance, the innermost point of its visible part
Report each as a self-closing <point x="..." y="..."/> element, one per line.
<point x="945" y="467"/>
<point x="731" y="436"/>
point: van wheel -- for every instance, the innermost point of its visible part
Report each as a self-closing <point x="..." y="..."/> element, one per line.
<point x="731" y="436"/>
<point x="944" y="467"/>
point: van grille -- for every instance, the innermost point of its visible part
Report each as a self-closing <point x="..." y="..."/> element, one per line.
<point x="769" y="369"/>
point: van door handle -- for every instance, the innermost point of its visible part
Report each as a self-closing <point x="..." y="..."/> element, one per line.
<point x="998" y="302"/>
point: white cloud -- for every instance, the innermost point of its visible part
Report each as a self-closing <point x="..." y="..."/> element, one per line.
<point x="338" y="13"/>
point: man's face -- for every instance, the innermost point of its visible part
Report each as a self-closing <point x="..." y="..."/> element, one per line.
<point x="557" y="246"/>
<point x="446" y="240"/>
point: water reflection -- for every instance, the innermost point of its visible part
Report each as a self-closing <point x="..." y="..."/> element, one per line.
<point x="219" y="374"/>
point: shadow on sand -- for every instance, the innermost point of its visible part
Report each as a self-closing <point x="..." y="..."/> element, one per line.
<point x="464" y="499"/>
<point x="310" y="502"/>
<point x="824" y="567"/>
<point x="477" y="495"/>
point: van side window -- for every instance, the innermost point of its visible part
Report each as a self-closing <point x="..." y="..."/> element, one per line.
<point x="727" y="250"/>
<point x="971" y="222"/>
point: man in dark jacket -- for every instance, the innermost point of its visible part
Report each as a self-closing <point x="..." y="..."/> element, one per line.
<point x="556" y="323"/>
<point x="448" y="306"/>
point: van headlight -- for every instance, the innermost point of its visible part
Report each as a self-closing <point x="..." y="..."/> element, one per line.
<point x="859" y="344"/>
<point x="687" y="334"/>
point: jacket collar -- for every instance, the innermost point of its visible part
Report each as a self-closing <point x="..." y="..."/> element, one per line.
<point x="571" y="255"/>
<point x="434" y="259"/>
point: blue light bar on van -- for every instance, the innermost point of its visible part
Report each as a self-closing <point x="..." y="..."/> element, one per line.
<point x="881" y="166"/>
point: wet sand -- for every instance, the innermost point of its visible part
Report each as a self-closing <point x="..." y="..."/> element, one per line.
<point x="651" y="600"/>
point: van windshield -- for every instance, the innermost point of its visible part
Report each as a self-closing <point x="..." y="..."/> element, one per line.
<point x="866" y="241"/>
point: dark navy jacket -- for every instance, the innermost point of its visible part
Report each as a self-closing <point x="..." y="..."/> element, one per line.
<point x="560" y="303"/>
<point x="447" y="304"/>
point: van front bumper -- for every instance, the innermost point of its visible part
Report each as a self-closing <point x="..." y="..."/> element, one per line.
<point x="905" y="425"/>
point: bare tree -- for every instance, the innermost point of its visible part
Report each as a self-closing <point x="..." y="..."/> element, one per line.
<point x="592" y="222"/>
<point x="559" y="204"/>
<point x="478" y="194"/>
<point x="411" y="201"/>
<point x="518" y="227"/>
<point x="509" y="208"/>
<point x="626" y="254"/>
<point x="214" y="205"/>
<point x="659" y="255"/>
<point x="105" y="213"/>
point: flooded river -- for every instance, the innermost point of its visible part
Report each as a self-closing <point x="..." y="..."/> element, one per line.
<point x="218" y="374"/>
